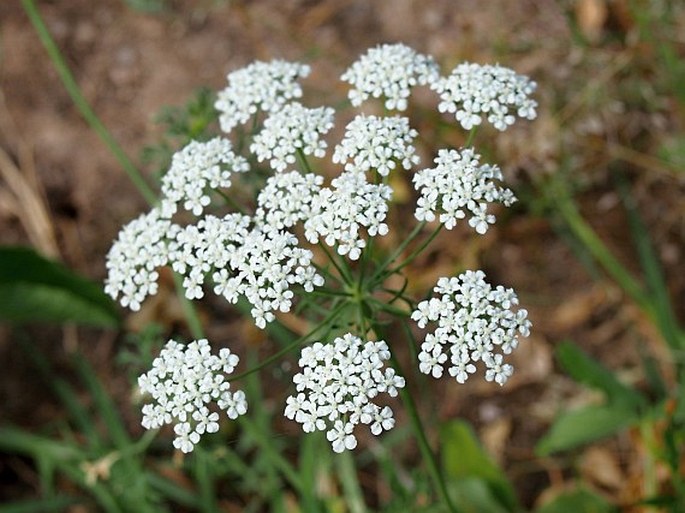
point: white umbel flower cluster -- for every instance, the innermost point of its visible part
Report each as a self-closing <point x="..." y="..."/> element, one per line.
<point x="263" y="269"/>
<point x="339" y="213"/>
<point x="291" y="128"/>
<point x="499" y="94"/>
<point x="197" y="167"/>
<point x="373" y="142"/>
<point x="258" y="262"/>
<point x="475" y="323"/>
<point x="195" y="250"/>
<point x="389" y="70"/>
<point x="183" y="382"/>
<point x="262" y="86"/>
<point x="458" y="185"/>
<point x="286" y="199"/>
<point x="336" y="388"/>
<point x="132" y="261"/>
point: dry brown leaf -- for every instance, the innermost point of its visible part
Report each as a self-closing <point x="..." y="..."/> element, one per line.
<point x="591" y="16"/>
<point x="532" y="360"/>
<point x="32" y="211"/>
<point x="495" y="436"/>
<point x="599" y="465"/>
<point x="578" y="308"/>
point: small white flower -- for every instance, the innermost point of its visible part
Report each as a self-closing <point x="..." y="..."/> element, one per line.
<point x="132" y="262"/>
<point x="473" y="320"/>
<point x="339" y="213"/>
<point x="286" y="199"/>
<point x="262" y="86"/>
<point x="378" y="143"/>
<point x="183" y="381"/>
<point x="258" y="262"/>
<point x="389" y="70"/>
<point x="499" y="94"/>
<point x="186" y="439"/>
<point x="197" y="167"/>
<point x="457" y="187"/>
<point x="289" y="129"/>
<point x="341" y="437"/>
<point x="336" y="388"/>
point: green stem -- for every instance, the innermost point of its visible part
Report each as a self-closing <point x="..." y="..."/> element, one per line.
<point x="206" y="480"/>
<point x="327" y="275"/>
<point x="230" y="201"/>
<point x="329" y="292"/>
<point x="255" y="431"/>
<point x="304" y="161"/>
<point x="471" y="136"/>
<point x="399" y="312"/>
<point x="267" y="361"/>
<point x="412" y="256"/>
<point x="346" y="277"/>
<point x="82" y="104"/>
<point x="420" y="433"/>
<point x="350" y="483"/>
<point x="599" y="251"/>
<point x="417" y="229"/>
<point x="189" y="310"/>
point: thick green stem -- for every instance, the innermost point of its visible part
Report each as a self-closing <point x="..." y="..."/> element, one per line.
<point x="82" y="104"/>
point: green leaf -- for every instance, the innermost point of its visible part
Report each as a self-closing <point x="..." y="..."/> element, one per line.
<point x="34" y="289"/>
<point x="588" y="371"/>
<point x="665" y="318"/>
<point x="577" y="501"/>
<point x="58" y="503"/>
<point x="463" y="457"/>
<point x="584" y="425"/>
<point x="474" y="495"/>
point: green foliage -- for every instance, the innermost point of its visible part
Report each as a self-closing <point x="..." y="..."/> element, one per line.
<point x="584" y="425"/>
<point x="673" y="152"/>
<point x="149" y="6"/>
<point x="584" y="369"/>
<point x="192" y="121"/>
<point x="474" y="478"/>
<point x="105" y="465"/>
<point x="34" y="289"/>
<point x="579" y="500"/>
<point x="574" y="428"/>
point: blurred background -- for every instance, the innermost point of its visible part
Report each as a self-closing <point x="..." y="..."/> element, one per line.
<point x="594" y="248"/>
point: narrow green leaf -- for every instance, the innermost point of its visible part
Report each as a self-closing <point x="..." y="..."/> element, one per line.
<point x="581" y="367"/>
<point x="78" y="413"/>
<point x="585" y="425"/>
<point x="57" y="503"/>
<point x="19" y="441"/>
<point x="475" y="495"/>
<point x="34" y="289"/>
<point x="463" y="457"/>
<point x="577" y="501"/>
<point x="172" y="490"/>
<point x="665" y="318"/>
